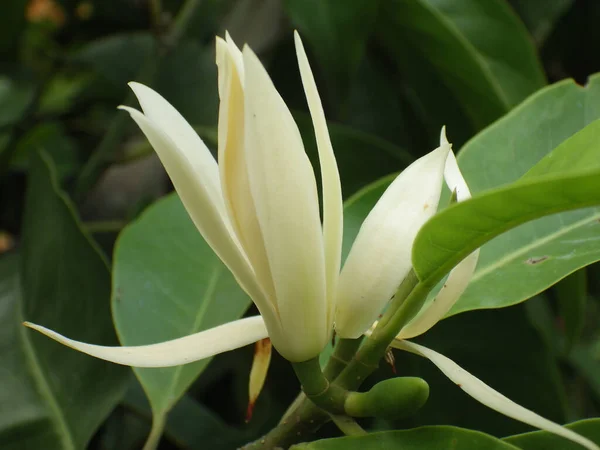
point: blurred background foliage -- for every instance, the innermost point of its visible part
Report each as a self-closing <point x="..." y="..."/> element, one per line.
<point x="74" y="172"/>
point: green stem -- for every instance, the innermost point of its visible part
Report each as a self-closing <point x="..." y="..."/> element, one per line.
<point x="182" y="21"/>
<point x="306" y="417"/>
<point x="375" y="346"/>
<point x="155" y="435"/>
<point x="318" y="388"/>
<point x="344" y="351"/>
<point x="347" y="425"/>
<point x="156" y="14"/>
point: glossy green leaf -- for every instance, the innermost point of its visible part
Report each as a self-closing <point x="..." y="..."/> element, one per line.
<point x="168" y="283"/>
<point x="441" y="437"/>
<point x="504" y="153"/>
<point x="53" y="397"/>
<point x="542" y="440"/>
<point x="457" y="231"/>
<point x="463" y="57"/>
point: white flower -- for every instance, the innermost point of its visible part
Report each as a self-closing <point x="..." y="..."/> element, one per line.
<point x="258" y="210"/>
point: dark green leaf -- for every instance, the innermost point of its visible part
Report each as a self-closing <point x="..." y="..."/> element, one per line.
<point x="467" y="57"/>
<point x="542" y="440"/>
<point x="361" y="157"/>
<point x="52" y="396"/>
<point x="571" y="294"/>
<point x="16" y="93"/>
<point x="168" y="283"/>
<point x="501" y="348"/>
<point x="540" y="15"/>
<point x="440" y="437"/>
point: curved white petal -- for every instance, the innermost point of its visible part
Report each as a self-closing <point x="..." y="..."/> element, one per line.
<point x="380" y="256"/>
<point x="168" y="119"/>
<point x="204" y="212"/>
<point x="459" y="277"/>
<point x="489" y="397"/>
<point x="332" y="189"/>
<point x="233" y="167"/>
<point x="184" y="350"/>
<point x="284" y="189"/>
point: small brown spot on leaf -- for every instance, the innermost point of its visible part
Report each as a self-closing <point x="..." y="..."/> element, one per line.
<point x="425" y="206"/>
<point x="536" y="260"/>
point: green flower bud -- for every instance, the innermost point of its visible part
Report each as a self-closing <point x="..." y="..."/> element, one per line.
<point x="394" y="398"/>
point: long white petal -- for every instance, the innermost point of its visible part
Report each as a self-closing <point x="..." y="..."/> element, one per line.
<point x="489" y="397"/>
<point x="332" y="189"/>
<point x="184" y="350"/>
<point x="203" y="211"/>
<point x="284" y="189"/>
<point x="459" y="277"/>
<point x="380" y="256"/>
<point x="233" y="167"/>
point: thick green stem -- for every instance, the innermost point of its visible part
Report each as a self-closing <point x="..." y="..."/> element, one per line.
<point x="344" y="351"/>
<point x="318" y="388"/>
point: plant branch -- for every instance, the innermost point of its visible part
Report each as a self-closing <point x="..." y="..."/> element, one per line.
<point x="318" y="388"/>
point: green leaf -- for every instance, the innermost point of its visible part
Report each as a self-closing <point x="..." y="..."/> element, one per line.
<point x="542" y="440"/>
<point x="505" y="152"/>
<point x="168" y="283"/>
<point x="16" y="93"/>
<point x="441" y="437"/>
<point x="52" y="139"/>
<point x="337" y="33"/>
<point x="117" y="58"/>
<point x="190" y="424"/>
<point x="53" y="397"/>
<point x="461" y="56"/>
<point x="457" y="231"/>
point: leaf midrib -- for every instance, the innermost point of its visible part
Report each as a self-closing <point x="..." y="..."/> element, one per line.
<point x="210" y="291"/>
<point x="56" y="415"/>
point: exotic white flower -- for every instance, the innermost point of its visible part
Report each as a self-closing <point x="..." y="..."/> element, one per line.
<point x="258" y="209"/>
<point x="434" y="311"/>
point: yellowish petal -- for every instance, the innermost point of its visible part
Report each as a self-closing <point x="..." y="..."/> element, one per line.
<point x="184" y="350"/>
<point x="283" y="186"/>
<point x="489" y="397"/>
<point x="380" y="257"/>
<point x="332" y="189"/>
<point x="233" y="168"/>
<point x="258" y="373"/>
